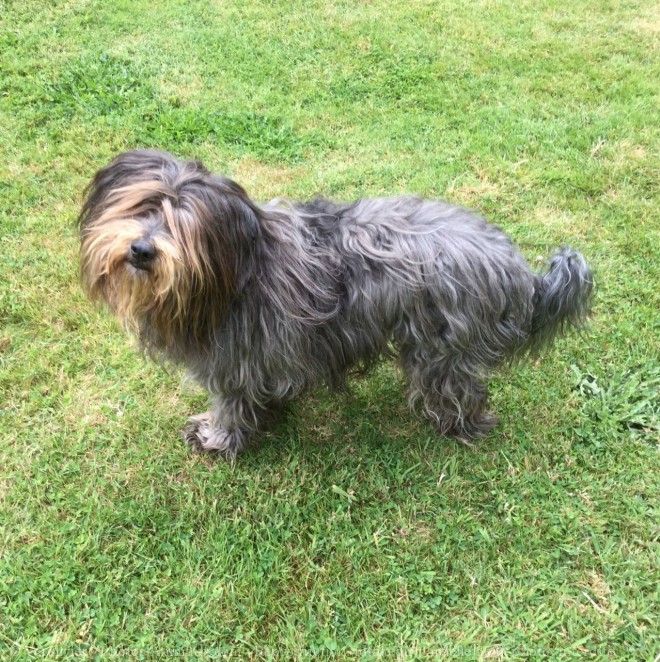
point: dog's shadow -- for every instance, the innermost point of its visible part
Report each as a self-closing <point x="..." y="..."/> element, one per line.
<point x="372" y="417"/>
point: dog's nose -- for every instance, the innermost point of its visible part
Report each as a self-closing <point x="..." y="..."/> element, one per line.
<point x="142" y="252"/>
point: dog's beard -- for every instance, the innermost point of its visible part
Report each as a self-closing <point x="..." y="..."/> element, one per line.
<point x="157" y="292"/>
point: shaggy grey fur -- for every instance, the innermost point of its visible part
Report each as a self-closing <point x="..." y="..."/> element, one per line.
<point x="324" y="289"/>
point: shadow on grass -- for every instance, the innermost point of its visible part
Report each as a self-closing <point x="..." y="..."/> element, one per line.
<point x="369" y="423"/>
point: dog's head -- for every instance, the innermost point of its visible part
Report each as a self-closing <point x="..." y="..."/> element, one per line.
<point x="164" y="242"/>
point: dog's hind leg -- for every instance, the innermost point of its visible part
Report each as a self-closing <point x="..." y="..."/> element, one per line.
<point x="228" y="427"/>
<point x="451" y="389"/>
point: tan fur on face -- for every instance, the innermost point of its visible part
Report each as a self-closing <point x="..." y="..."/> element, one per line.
<point x="131" y="293"/>
<point x="165" y="291"/>
<point x="202" y="227"/>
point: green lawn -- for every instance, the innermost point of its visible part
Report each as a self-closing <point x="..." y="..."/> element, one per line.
<point x="353" y="532"/>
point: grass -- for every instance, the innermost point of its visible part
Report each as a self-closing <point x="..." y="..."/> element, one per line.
<point x="353" y="532"/>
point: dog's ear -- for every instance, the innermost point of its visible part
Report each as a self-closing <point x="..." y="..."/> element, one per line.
<point x="234" y="207"/>
<point x="226" y="227"/>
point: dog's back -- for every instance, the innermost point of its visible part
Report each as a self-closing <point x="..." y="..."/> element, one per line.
<point x="404" y="259"/>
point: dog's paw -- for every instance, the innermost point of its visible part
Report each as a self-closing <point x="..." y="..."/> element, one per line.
<point x="471" y="430"/>
<point x="203" y="437"/>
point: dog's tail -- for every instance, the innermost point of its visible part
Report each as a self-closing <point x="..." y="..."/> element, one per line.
<point x="562" y="297"/>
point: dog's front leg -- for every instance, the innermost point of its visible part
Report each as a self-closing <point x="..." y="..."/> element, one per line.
<point x="226" y="428"/>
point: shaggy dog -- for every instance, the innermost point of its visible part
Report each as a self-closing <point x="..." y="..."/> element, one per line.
<point x="262" y="302"/>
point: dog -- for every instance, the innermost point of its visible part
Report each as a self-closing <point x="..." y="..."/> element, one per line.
<point x="263" y="302"/>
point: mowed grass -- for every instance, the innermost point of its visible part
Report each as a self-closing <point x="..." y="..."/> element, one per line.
<point x="353" y="532"/>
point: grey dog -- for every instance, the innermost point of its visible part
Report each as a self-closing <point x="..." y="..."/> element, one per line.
<point x="262" y="302"/>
